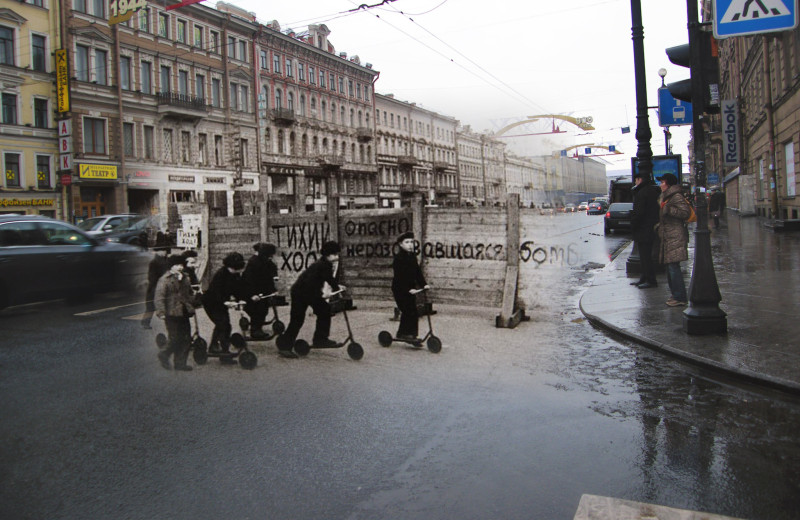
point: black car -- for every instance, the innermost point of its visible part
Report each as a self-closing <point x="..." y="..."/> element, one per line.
<point x="45" y="259"/>
<point x="618" y="216"/>
<point x="596" y="208"/>
<point x="134" y="232"/>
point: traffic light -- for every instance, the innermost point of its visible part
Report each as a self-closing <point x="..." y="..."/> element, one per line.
<point x="706" y="47"/>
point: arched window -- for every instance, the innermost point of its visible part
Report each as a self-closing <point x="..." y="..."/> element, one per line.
<point x="302" y="105"/>
<point x="324" y="108"/>
<point x="315" y="144"/>
<point x="268" y="140"/>
<point x="353" y="156"/>
<point x="361" y="152"/>
<point x="369" y="153"/>
<point x="324" y="145"/>
<point x="281" y="145"/>
<point x="313" y="107"/>
<point x="333" y="112"/>
<point x="292" y="144"/>
<point x="278" y="98"/>
<point x="367" y="115"/>
<point x="352" y="117"/>
<point x="290" y="101"/>
<point x="304" y="146"/>
<point x="263" y="103"/>
<point x="360" y="118"/>
<point x="342" y="120"/>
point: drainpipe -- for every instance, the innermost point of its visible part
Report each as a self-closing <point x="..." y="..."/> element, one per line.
<point x="121" y="125"/>
<point x="773" y="168"/>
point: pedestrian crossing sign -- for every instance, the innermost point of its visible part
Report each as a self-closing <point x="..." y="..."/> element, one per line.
<point x="745" y="17"/>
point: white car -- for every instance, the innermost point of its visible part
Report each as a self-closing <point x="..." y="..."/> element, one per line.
<point x="105" y="223"/>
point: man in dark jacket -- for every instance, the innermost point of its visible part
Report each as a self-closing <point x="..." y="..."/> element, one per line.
<point x="259" y="277"/>
<point x="307" y="291"/>
<point x="715" y="204"/>
<point x="643" y="222"/>
<point x="225" y="285"/>
<point x="407" y="281"/>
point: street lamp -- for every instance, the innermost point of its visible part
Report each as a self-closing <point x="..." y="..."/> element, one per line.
<point x="663" y="73"/>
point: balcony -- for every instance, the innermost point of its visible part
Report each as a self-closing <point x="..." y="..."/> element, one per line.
<point x="331" y="160"/>
<point x="182" y="106"/>
<point x="284" y="116"/>
<point x="440" y="166"/>
<point x="364" y="134"/>
<point x="445" y="190"/>
<point x="410" y="188"/>
<point x="406" y="160"/>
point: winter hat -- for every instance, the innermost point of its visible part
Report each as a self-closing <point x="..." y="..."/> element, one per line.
<point x="189" y="253"/>
<point x="234" y="261"/>
<point x="403" y="236"/>
<point x="265" y="248"/>
<point x="330" y="248"/>
<point x="175" y="260"/>
<point x="670" y="179"/>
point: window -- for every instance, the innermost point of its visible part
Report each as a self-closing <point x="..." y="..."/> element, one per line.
<point x="290" y="101"/>
<point x="38" y="44"/>
<point x="301" y="73"/>
<point x="215" y="92"/>
<point x="311" y="77"/>
<point x="243" y="98"/>
<point x="263" y="59"/>
<point x="231" y="47"/>
<point x="43" y="171"/>
<point x="125" y="72"/>
<point x="164" y="79"/>
<point x="788" y="152"/>
<point x="244" y="151"/>
<point x="217" y="150"/>
<point x="144" y="19"/>
<point x="166" y="138"/>
<point x="242" y="50"/>
<point x="263" y="99"/>
<point x="323" y="110"/>
<point x="6" y="46"/>
<point x="100" y="64"/>
<point x="289" y="68"/>
<point x="234" y="101"/>
<point x="127" y="139"/>
<point x="350" y="91"/>
<point x="80" y="5"/>
<point x="163" y="25"/>
<point x="186" y="139"/>
<point x="322" y="79"/>
<point x="200" y="86"/>
<point x="276" y="64"/>
<point x="341" y="85"/>
<point x="302" y="105"/>
<point x="147" y="77"/>
<point x="10" y="109"/>
<point x="40" y="115"/>
<point x="12" y="170"/>
<point x="278" y="100"/>
<point x="332" y="82"/>
<point x="149" y="142"/>
<point x="183" y="82"/>
<point x="198" y="36"/>
<point x="214" y="41"/>
<point x="202" y="149"/>
<point x="181" y="36"/>
<point x="99" y="8"/>
<point x="82" y="63"/>
<point x="94" y="136"/>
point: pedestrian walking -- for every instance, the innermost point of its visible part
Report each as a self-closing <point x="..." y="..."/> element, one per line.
<point x="674" y="236"/>
<point x="307" y="291"/>
<point x="643" y="222"/>
<point x="260" y="276"/>
<point x="175" y="303"/>
<point x="155" y="270"/>
<point x="715" y="205"/>
<point x="226" y="284"/>
<point x="407" y="281"/>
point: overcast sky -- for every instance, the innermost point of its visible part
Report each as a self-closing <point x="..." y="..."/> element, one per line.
<point x="492" y="63"/>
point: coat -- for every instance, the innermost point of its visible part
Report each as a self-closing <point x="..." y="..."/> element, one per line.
<point x="223" y="285"/>
<point x="174" y="296"/>
<point x="407" y="273"/>
<point x="308" y="286"/>
<point x="259" y="275"/>
<point x="672" y="228"/>
<point x="645" y="212"/>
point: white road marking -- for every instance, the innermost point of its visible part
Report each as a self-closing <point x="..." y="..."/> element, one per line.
<point x="107" y="309"/>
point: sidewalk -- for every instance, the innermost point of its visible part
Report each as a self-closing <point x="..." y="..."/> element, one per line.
<point x="758" y="273"/>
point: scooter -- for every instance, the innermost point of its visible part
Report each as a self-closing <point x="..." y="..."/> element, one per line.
<point x="385" y="338"/>
<point x="247" y="359"/>
<point x="354" y="349"/>
<point x="277" y="325"/>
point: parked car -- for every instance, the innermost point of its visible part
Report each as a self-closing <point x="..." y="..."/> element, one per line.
<point x="135" y="232"/>
<point x="583" y="206"/>
<point x="105" y="223"/>
<point x="618" y="216"/>
<point x="569" y="208"/>
<point x="596" y="208"/>
<point x="46" y="259"/>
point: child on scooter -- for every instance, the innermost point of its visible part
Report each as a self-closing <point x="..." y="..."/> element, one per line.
<point x="407" y="281"/>
<point x="260" y="277"/>
<point x="226" y="284"/>
<point x="307" y="291"/>
<point x="174" y="302"/>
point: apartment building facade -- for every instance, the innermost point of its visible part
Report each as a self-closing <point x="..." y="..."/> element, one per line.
<point x="29" y="33"/>
<point x="417" y="153"/>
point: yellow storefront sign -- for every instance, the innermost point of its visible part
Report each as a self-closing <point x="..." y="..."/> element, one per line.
<point x="97" y="171"/>
<point x="62" y="81"/>
<point x="10" y="203"/>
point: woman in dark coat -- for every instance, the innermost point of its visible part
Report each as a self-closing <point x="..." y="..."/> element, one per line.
<point x="406" y="283"/>
<point x="674" y="236"/>
<point x="226" y="284"/>
<point x="259" y="277"/>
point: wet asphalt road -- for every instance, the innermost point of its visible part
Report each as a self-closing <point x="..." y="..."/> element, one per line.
<point x="499" y="425"/>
